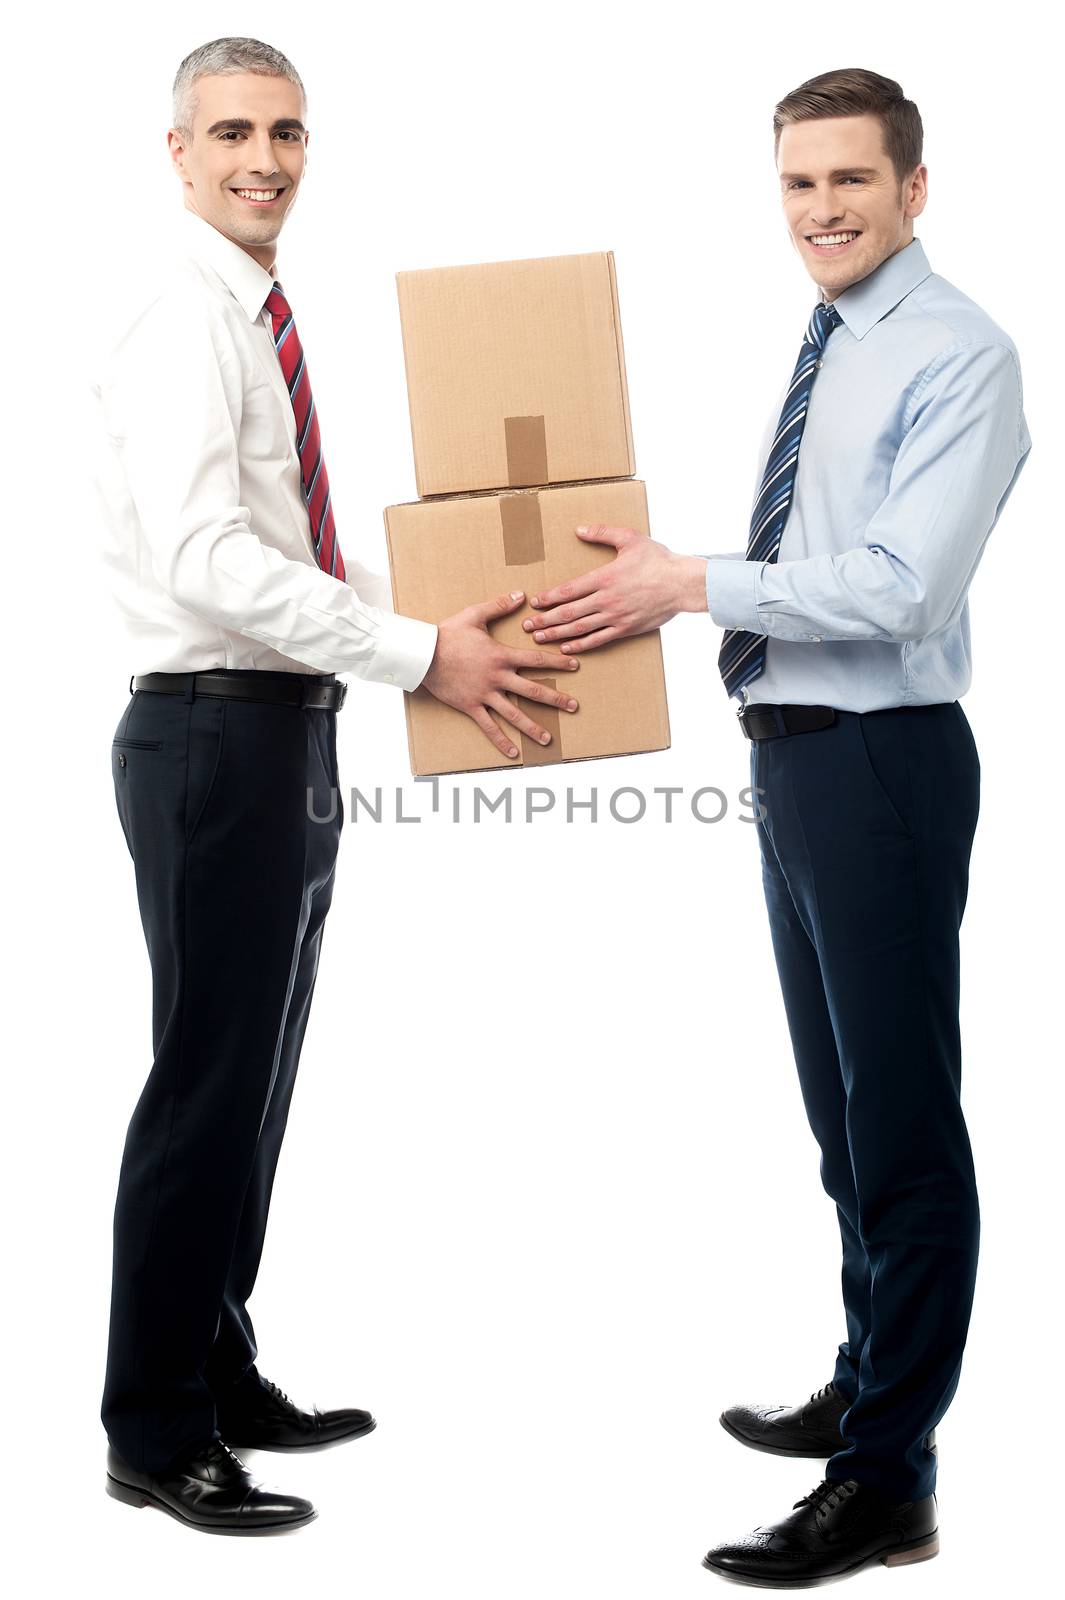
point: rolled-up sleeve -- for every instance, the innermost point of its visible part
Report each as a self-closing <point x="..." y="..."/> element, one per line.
<point x="172" y="399"/>
<point x="962" y="450"/>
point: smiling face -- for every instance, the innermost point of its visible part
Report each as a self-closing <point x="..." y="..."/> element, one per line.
<point x="846" y="209"/>
<point x="246" y="158"/>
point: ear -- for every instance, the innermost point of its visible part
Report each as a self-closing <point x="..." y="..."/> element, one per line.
<point x="177" y="150"/>
<point x="916" y="192"/>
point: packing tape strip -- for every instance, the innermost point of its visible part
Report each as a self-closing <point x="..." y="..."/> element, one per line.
<point x="526" y="451"/>
<point x="523" y="529"/>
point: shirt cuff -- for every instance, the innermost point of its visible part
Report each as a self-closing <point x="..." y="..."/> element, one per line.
<point x="404" y="649"/>
<point x="730" y="593"/>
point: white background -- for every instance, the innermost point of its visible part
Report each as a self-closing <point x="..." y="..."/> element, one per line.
<point x="548" y="1200"/>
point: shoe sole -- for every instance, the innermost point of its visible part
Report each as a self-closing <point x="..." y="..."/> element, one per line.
<point x="131" y="1496"/>
<point x="898" y="1556"/>
<point x="777" y="1449"/>
<point x="314" y="1444"/>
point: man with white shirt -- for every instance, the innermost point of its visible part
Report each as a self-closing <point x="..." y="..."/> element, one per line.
<point x="226" y="564"/>
<point x="891" y="452"/>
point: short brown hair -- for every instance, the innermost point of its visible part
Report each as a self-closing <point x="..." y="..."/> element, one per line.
<point x="853" y="92"/>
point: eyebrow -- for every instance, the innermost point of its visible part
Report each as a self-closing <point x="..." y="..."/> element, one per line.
<point x="244" y="125"/>
<point x="840" y="172"/>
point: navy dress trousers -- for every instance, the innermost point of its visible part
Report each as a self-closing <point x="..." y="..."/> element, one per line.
<point x="865" y="846"/>
<point x="234" y="879"/>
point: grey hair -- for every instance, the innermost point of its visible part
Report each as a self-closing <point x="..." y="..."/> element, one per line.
<point x="226" y="56"/>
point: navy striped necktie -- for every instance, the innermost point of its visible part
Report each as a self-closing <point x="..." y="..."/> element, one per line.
<point x="314" y="479"/>
<point x="742" y="654"/>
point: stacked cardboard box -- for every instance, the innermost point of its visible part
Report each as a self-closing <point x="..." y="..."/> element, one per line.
<point x="520" y="423"/>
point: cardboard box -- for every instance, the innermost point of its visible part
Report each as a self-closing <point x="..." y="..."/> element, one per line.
<point x="515" y="374"/>
<point x="445" y="555"/>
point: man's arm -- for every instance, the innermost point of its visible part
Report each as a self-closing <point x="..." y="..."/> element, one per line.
<point x="957" y="464"/>
<point x="172" y="400"/>
<point x="955" y="469"/>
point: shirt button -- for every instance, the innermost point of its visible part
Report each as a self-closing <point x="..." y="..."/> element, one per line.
<point x="819" y="363"/>
<point x="390" y="677"/>
<point x="815" y="638"/>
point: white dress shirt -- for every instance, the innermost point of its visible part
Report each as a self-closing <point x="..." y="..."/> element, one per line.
<point x="207" y="537"/>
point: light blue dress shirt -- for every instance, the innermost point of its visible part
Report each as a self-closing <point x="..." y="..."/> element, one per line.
<point x="914" y="439"/>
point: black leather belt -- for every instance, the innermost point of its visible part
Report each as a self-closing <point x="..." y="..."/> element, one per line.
<point x="769" y="721"/>
<point x="309" y="691"/>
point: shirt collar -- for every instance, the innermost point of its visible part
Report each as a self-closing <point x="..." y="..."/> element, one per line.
<point x="864" y="304"/>
<point x="244" y="278"/>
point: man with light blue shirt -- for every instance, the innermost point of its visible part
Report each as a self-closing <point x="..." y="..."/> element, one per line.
<point x="893" y="449"/>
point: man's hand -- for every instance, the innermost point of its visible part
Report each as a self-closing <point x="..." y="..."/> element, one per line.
<point x="471" y="672"/>
<point x="645" y="586"/>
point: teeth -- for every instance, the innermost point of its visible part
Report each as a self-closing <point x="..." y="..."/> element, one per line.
<point x="258" y="194"/>
<point x="833" y="238"/>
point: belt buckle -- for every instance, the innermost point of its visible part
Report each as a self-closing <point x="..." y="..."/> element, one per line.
<point x="342" y="694"/>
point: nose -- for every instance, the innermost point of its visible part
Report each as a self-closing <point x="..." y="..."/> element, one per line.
<point x="825" y="207"/>
<point x="261" y="155"/>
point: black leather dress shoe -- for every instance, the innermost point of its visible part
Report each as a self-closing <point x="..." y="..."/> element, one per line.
<point x="811" y="1429"/>
<point x="831" y="1532"/>
<point x="213" y="1492"/>
<point x="256" y="1415"/>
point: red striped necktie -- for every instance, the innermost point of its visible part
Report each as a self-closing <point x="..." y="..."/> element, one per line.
<point x="313" y="476"/>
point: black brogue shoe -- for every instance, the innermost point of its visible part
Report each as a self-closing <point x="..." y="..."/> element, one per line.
<point x="811" y="1429"/>
<point x="839" y="1527"/>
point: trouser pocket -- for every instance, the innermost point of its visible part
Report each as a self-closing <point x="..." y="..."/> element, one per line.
<point x="883" y="748"/>
<point x="206" y="739"/>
